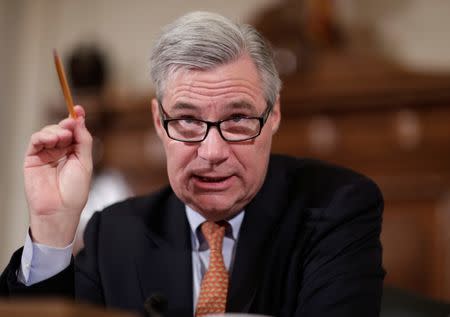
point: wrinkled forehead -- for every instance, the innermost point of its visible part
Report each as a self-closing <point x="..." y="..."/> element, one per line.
<point x="235" y="85"/>
<point x="216" y="110"/>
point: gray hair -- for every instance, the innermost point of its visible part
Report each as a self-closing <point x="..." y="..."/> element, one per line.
<point x="204" y="40"/>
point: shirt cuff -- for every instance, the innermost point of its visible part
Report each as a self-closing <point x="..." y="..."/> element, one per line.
<point x="40" y="262"/>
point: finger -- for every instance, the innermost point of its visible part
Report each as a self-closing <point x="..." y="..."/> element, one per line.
<point x="69" y="123"/>
<point x="34" y="145"/>
<point x="79" y="110"/>
<point x="52" y="156"/>
<point x="65" y="136"/>
<point x="55" y="129"/>
<point x="48" y="138"/>
<point x="83" y="143"/>
<point x="82" y="137"/>
<point x="41" y="140"/>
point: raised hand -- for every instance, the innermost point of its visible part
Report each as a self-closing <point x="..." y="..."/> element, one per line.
<point x="57" y="173"/>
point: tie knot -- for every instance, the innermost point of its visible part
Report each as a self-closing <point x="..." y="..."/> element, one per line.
<point x="214" y="233"/>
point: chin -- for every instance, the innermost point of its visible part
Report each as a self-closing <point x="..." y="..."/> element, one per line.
<point x="217" y="215"/>
<point x="214" y="210"/>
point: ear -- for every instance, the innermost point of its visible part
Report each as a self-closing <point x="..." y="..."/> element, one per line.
<point x="275" y="116"/>
<point x="157" y="119"/>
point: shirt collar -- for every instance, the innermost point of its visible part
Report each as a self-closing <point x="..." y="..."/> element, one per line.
<point x="195" y="219"/>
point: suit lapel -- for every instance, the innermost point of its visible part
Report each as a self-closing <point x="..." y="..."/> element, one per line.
<point x="262" y="216"/>
<point x="163" y="260"/>
<point x="164" y="263"/>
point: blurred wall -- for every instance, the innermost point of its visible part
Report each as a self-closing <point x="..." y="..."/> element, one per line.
<point x="3" y="102"/>
<point x="20" y="30"/>
<point x="413" y="32"/>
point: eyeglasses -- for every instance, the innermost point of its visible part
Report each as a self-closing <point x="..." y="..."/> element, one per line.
<point x="235" y="129"/>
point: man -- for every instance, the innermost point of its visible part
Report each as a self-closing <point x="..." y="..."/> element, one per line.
<point x="238" y="230"/>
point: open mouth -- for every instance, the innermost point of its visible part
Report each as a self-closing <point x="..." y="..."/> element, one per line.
<point x="211" y="179"/>
<point x="213" y="183"/>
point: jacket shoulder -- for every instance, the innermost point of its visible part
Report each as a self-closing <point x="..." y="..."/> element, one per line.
<point x="321" y="181"/>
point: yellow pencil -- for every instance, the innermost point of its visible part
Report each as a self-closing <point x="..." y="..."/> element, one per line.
<point x="64" y="85"/>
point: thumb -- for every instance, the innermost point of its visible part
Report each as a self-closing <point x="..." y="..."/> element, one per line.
<point x="83" y="142"/>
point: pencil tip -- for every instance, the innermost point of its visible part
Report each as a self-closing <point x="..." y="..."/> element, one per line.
<point x="54" y="52"/>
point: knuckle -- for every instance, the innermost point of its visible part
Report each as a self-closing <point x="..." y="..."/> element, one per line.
<point x="50" y="127"/>
<point x="35" y="137"/>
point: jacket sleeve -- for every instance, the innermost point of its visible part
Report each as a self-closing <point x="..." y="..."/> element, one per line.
<point x="60" y="285"/>
<point x="342" y="265"/>
<point x="80" y="280"/>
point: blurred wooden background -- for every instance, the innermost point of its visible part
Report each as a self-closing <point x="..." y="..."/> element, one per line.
<point x="343" y="103"/>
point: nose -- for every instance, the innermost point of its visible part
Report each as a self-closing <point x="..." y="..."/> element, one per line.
<point x="214" y="149"/>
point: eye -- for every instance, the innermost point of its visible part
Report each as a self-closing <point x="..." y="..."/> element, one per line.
<point x="237" y="117"/>
<point x="187" y="118"/>
<point x="191" y="122"/>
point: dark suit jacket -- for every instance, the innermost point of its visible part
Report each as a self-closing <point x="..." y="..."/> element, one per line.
<point x="308" y="246"/>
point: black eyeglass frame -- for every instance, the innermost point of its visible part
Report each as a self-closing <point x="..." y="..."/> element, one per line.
<point x="165" y="118"/>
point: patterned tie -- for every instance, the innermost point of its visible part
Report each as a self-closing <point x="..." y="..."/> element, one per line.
<point x="214" y="288"/>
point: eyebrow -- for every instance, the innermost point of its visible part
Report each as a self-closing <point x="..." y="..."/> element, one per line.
<point x="232" y="105"/>
<point x="184" y="106"/>
<point x="241" y="105"/>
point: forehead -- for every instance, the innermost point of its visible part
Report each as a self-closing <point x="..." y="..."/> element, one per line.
<point x="237" y="83"/>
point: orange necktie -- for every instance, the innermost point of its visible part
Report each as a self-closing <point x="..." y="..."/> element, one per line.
<point x="214" y="288"/>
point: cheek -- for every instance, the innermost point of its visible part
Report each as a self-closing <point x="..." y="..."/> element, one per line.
<point x="178" y="158"/>
<point x="254" y="159"/>
<point x="262" y="157"/>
